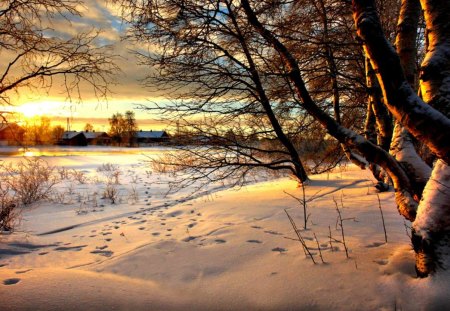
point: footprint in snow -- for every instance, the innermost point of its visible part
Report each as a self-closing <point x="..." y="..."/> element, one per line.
<point x="189" y="238"/>
<point x="375" y="244"/>
<point x="11" y="281"/>
<point x="105" y="253"/>
<point x="254" y="241"/>
<point x="273" y="232"/>
<point x="279" y="249"/>
<point x="381" y="262"/>
<point x="76" y="248"/>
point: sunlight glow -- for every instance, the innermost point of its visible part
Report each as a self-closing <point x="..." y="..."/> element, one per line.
<point x="47" y="108"/>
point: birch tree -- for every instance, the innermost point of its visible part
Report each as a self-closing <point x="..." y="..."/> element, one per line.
<point x="426" y="119"/>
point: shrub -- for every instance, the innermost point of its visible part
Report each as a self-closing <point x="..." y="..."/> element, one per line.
<point x="30" y="180"/>
<point x="8" y="209"/>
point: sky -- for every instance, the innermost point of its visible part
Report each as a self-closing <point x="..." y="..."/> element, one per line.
<point x="127" y="92"/>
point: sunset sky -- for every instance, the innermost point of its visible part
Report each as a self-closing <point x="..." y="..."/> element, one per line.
<point x="126" y="94"/>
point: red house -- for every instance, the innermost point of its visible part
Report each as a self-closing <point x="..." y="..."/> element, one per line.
<point x="11" y="134"/>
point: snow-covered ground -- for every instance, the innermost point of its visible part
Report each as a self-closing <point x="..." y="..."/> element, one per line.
<point x="220" y="250"/>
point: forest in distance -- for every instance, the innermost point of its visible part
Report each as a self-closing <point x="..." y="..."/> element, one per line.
<point x="247" y="91"/>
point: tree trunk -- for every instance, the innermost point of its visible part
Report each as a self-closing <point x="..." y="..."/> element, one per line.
<point x="383" y="121"/>
<point x="424" y="122"/>
<point x="435" y="68"/>
<point x="402" y="147"/>
<point x="382" y="117"/>
<point x="333" y="71"/>
<point x="431" y="229"/>
<point x="299" y="169"/>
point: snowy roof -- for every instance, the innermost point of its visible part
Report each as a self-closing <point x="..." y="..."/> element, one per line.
<point x="88" y="135"/>
<point x="70" y="134"/>
<point x="93" y="135"/>
<point x="151" y="134"/>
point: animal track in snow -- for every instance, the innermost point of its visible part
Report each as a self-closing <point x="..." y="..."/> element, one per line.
<point x="76" y="248"/>
<point x="105" y="253"/>
<point x="279" y="249"/>
<point x="254" y="241"/>
<point x="11" y="281"/>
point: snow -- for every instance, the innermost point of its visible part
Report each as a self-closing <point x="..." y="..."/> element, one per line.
<point x="222" y="250"/>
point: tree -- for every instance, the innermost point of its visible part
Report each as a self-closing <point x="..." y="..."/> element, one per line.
<point x="123" y="128"/>
<point x="88" y="127"/>
<point x="431" y="227"/>
<point x="38" y="131"/>
<point x="57" y="133"/>
<point x="33" y="57"/>
<point x="429" y="123"/>
<point x="130" y="128"/>
<point x="116" y="128"/>
<point x="227" y="56"/>
<point x="234" y="78"/>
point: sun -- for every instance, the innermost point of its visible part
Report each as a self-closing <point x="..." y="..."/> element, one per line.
<point x="37" y="109"/>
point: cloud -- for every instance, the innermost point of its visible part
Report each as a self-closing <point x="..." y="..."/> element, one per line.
<point x="95" y="15"/>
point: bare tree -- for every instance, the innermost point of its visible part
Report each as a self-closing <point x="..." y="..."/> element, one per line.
<point x="431" y="227"/>
<point x="33" y="56"/>
<point x="211" y="65"/>
<point x="123" y="128"/>
<point x="243" y="60"/>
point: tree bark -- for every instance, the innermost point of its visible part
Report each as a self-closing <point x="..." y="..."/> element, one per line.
<point x="402" y="147"/>
<point x="435" y="68"/>
<point x="421" y="120"/>
<point x="431" y="229"/>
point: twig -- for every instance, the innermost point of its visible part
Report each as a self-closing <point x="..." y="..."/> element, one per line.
<point x="382" y="218"/>
<point x="331" y="244"/>
<point x="300" y="238"/>
<point x="303" y="204"/>
<point x="318" y="246"/>
<point x="341" y="223"/>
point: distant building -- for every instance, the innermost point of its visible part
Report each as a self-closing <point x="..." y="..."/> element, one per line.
<point x="74" y="138"/>
<point x="150" y="137"/>
<point x="97" y="138"/>
<point x="11" y="134"/>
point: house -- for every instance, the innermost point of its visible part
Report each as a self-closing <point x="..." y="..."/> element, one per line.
<point x="11" y="134"/>
<point x="73" y="138"/>
<point x="97" y="138"/>
<point x="149" y="137"/>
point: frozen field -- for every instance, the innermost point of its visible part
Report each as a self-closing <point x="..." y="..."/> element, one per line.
<point x="222" y="249"/>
